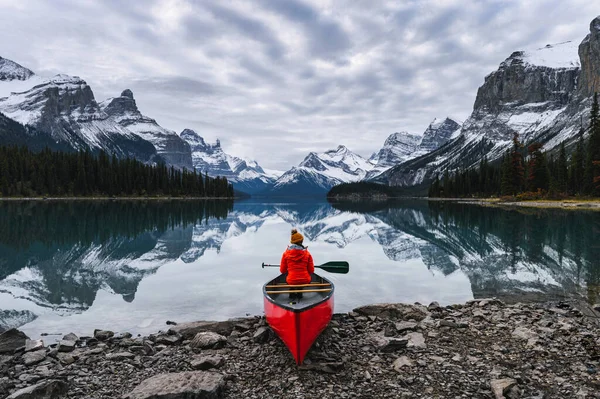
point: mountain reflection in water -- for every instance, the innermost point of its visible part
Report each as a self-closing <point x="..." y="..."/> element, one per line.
<point x="132" y="265"/>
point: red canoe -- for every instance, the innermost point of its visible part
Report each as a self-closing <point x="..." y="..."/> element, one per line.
<point x="298" y="322"/>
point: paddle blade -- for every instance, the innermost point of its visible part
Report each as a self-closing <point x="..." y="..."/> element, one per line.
<point x="335" y="267"/>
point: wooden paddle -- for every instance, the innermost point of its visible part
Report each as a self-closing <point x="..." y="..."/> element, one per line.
<point x="331" y="267"/>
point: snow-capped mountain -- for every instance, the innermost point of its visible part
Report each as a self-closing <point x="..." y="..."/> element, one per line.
<point x="246" y="176"/>
<point x="64" y="109"/>
<point x="168" y="144"/>
<point x="318" y="172"/>
<point x="438" y="133"/>
<point x="543" y="94"/>
<point x="10" y="70"/>
<point x="398" y="147"/>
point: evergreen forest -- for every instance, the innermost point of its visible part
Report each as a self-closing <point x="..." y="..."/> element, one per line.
<point x="528" y="172"/>
<point x="25" y="173"/>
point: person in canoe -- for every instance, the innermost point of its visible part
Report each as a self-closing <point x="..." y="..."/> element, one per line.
<point x="297" y="262"/>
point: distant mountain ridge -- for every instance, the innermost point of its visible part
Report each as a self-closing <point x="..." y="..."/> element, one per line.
<point x="319" y="172"/>
<point x="246" y="176"/>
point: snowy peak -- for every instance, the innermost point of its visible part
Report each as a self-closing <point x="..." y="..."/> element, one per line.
<point x="438" y="133"/>
<point x="10" y="70"/>
<point x="122" y="105"/>
<point x="397" y="148"/>
<point x="246" y="175"/>
<point x="560" y="55"/>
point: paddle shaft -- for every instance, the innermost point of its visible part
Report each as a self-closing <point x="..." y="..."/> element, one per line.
<point x="332" y="267"/>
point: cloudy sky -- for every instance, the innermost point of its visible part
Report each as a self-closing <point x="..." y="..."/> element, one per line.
<point x="275" y="79"/>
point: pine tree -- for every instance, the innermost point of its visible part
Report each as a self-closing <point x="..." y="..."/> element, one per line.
<point x="538" y="177"/>
<point x="562" y="171"/>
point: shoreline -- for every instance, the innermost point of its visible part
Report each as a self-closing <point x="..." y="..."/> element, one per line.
<point x="115" y="198"/>
<point x="483" y="348"/>
<point x="571" y="204"/>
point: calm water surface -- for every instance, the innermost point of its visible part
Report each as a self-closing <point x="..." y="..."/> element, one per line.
<point x="133" y="265"/>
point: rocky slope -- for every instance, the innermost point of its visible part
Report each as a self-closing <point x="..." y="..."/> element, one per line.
<point x="63" y="111"/>
<point x="543" y="95"/>
<point x="64" y="108"/>
<point x="246" y="176"/>
<point x="397" y="148"/>
<point x="168" y="144"/>
<point x="480" y="349"/>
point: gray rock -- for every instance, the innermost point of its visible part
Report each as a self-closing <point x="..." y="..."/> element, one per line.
<point x="415" y="340"/>
<point x="66" y="358"/>
<point x="387" y="345"/>
<point x="207" y="362"/>
<point x="189" y="330"/>
<point x="172" y="339"/>
<point x="262" y="335"/>
<point x="52" y="389"/>
<point x="103" y="335"/>
<point x="35" y="357"/>
<point x="66" y="346"/>
<point x="33" y="345"/>
<point x="524" y="333"/>
<point x="401" y="362"/>
<point x="119" y="356"/>
<point x="406" y="326"/>
<point x="70" y="337"/>
<point x="502" y="386"/>
<point x="11" y="340"/>
<point x="394" y="311"/>
<point x="186" y="385"/>
<point x="208" y="340"/>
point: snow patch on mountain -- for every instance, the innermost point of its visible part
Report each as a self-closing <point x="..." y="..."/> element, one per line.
<point x="560" y="55"/>
<point x="246" y="175"/>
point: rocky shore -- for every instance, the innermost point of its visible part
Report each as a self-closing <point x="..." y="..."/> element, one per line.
<point x="481" y="349"/>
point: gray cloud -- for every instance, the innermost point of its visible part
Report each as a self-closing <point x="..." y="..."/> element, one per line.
<point x="277" y="79"/>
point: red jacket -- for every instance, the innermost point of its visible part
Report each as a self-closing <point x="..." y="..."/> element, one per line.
<point x="298" y="263"/>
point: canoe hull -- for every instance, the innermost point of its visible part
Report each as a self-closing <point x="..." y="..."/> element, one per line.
<point x="299" y="330"/>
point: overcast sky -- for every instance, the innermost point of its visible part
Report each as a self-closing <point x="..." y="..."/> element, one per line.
<point x="275" y="79"/>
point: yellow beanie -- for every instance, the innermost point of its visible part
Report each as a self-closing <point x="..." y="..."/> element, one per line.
<point x="296" y="237"/>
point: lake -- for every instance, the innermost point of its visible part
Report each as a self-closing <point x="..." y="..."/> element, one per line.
<point x="73" y="266"/>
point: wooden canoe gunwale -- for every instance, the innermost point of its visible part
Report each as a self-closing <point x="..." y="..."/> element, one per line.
<point x="298" y="310"/>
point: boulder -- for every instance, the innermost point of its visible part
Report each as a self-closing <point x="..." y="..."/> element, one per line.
<point x="405" y="326"/>
<point x="207" y="362"/>
<point x="66" y="346"/>
<point x="208" y="340"/>
<point x="185" y="385"/>
<point x="189" y="330"/>
<point x="50" y="389"/>
<point x="11" y="340"/>
<point x="103" y="335"/>
<point x="262" y="335"/>
<point x="35" y="357"/>
<point x="33" y="345"/>
<point x="70" y="337"/>
<point x="171" y="339"/>
<point x="394" y="311"/>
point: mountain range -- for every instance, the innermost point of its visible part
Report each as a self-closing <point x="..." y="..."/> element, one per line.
<point x="319" y="172"/>
<point x="62" y="113"/>
<point x="544" y="95"/>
